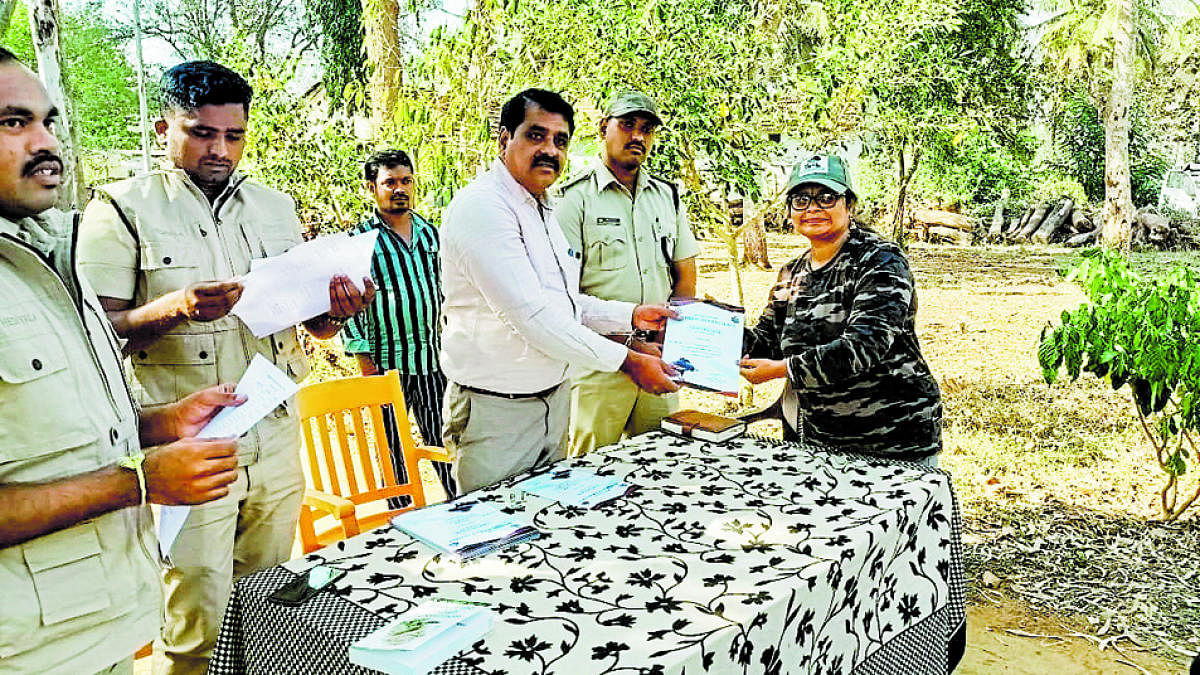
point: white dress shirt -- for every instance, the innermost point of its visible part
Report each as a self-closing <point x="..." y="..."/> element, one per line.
<point x="514" y="320"/>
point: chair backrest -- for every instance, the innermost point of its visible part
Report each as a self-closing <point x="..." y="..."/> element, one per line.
<point x="342" y="423"/>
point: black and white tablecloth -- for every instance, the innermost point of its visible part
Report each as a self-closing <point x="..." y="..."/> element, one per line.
<point x="744" y="557"/>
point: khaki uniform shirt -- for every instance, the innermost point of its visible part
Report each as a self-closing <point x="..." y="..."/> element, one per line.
<point x="152" y="234"/>
<point x="626" y="243"/>
<point x="88" y="596"/>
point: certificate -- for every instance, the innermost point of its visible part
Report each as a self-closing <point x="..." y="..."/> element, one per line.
<point x="705" y="344"/>
<point x="287" y="289"/>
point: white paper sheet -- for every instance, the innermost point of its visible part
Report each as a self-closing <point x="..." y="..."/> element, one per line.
<point x="705" y="343"/>
<point x="287" y="289"/>
<point x="578" y="487"/>
<point x="265" y="387"/>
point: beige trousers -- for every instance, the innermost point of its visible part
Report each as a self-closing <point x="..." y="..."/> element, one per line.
<point x="492" y="438"/>
<point x="605" y="405"/>
<point x="249" y="529"/>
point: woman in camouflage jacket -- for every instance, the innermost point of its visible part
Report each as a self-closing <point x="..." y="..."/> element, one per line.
<point x="840" y="327"/>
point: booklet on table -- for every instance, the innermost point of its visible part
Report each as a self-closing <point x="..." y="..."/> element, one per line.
<point x="705" y="344"/>
<point x="423" y="638"/>
<point x="576" y="487"/>
<point x="464" y="529"/>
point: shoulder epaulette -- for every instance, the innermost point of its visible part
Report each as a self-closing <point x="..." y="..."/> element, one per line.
<point x="671" y="186"/>
<point x="576" y="180"/>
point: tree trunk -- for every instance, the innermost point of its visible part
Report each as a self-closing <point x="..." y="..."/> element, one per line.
<point x="1118" y="196"/>
<point x="381" y="19"/>
<point x="754" y="237"/>
<point x="997" y="228"/>
<point x="43" y="24"/>
<point x="902" y="193"/>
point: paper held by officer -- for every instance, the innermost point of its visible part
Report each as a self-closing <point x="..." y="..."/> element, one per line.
<point x="704" y="344"/>
<point x="284" y="290"/>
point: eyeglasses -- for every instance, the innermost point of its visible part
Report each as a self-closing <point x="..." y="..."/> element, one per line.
<point x="824" y="200"/>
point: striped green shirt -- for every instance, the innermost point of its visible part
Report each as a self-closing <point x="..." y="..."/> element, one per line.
<point x="399" y="331"/>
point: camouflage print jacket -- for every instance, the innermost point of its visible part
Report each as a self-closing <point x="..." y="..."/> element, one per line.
<point x="847" y="335"/>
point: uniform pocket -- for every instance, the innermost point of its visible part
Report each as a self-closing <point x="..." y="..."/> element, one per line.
<point x="273" y="246"/>
<point x="35" y="387"/>
<point x="62" y="565"/>
<point x="607" y="253"/>
<point x="176" y="365"/>
<point x="169" y="266"/>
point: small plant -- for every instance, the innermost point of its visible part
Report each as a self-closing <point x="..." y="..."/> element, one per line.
<point x="1145" y="333"/>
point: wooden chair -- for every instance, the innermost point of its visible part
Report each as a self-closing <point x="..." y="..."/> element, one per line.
<point x="349" y="460"/>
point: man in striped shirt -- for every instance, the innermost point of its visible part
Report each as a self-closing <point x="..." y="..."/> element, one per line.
<point x="399" y="330"/>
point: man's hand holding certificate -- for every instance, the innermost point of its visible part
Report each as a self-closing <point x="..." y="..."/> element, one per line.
<point x="704" y="344"/>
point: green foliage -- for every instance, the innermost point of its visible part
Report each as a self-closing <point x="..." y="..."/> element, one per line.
<point x="978" y="169"/>
<point x="342" y="58"/>
<point x="1141" y="332"/>
<point x="1078" y="133"/>
<point x="1054" y="186"/>
<point x="316" y="164"/>
<point x="703" y="60"/>
<point x="100" y="83"/>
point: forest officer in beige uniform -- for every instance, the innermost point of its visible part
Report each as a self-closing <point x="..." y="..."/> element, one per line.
<point x="152" y="247"/>
<point x="79" y="590"/>
<point x="630" y="231"/>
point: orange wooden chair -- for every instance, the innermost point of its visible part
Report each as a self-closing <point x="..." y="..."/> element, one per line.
<point x="349" y="461"/>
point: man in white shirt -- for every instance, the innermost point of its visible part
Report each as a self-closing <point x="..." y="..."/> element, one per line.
<point x="515" y="321"/>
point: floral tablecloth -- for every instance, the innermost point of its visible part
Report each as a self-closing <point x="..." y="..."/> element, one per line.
<point x="750" y="556"/>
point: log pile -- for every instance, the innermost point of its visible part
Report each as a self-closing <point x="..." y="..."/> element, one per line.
<point x="1054" y="222"/>
<point x="1057" y="222"/>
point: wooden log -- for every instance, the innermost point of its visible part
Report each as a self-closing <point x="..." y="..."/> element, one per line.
<point x="997" y="227"/>
<point x="1029" y="211"/>
<point x="1013" y="225"/>
<point x="956" y="235"/>
<point x="1035" y="221"/>
<point x="944" y="219"/>
<point x="1084" y="239"/>
<point x="1151" y="229"/>
<point x="1053" y="222"/>
<point x="1080" y="222"/>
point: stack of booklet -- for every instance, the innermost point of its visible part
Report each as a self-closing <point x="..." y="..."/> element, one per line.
<point x="576" y="487"/>
<point x="423" y="638"/>
<point x="702" y="425"/>
<point x="464" y="530"/>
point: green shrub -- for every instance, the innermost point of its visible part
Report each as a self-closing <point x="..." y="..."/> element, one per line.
<point x="1140" y="332"/>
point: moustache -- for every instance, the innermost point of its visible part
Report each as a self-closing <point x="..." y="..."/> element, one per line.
<point x="40" y="162"/>
<point x="546" y="160"/>
<point x="639" y="146"/>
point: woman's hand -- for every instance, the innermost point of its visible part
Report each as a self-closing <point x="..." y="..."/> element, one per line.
<point x="757" y="371"/>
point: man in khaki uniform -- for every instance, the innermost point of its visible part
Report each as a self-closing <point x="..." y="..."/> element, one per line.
<point x="631" y="234"/>
<point x="152" y="247"/>
<point x="79" y="589"/>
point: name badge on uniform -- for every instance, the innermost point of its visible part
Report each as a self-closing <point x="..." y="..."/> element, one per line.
<point x="608" y="222"/>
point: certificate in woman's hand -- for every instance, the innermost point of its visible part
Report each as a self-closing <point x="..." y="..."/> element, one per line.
<point x="705" y="344"/>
